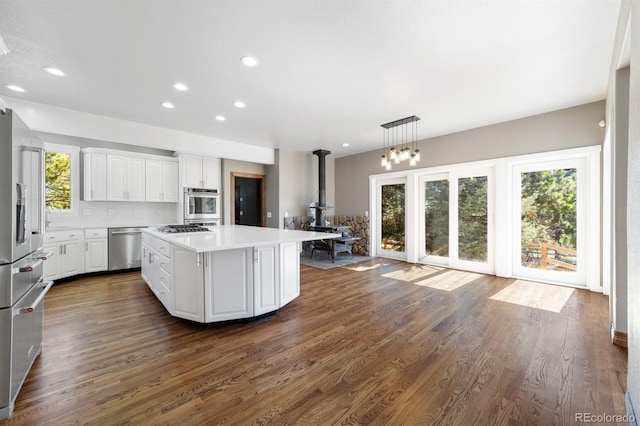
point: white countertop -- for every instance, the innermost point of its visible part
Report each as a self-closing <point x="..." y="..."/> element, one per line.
<point x="226" y="237"/>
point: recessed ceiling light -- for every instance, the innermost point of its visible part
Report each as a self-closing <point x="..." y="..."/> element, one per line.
<point x="345" y="144"/>
<point x="168" y="105"/>
<point x="239" y="104"/>
<point x="181" y="87"/>
<point x="54" y="71"/>
<point x="220" y="117"/>
<point x="14" y="88"/>
<point x="249" y="61"/>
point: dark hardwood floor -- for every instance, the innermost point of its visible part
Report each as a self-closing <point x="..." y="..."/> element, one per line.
<point x="379" y="342"/>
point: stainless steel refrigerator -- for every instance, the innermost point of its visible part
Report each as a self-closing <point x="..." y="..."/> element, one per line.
<point x="22" y="289"/>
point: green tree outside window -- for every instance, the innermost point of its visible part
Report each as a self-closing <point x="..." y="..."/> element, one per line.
<point x="58" y="181"/>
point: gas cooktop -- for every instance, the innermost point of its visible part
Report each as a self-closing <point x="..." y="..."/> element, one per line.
<point x="182" y="228"/>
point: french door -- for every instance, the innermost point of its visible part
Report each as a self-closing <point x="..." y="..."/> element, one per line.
<point x="549" y="221"/>
<point x="456" y="225"/>
<point x="391" y="214"/>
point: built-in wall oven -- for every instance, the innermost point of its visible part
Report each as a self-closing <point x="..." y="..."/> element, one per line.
<point x="201" y="205"/>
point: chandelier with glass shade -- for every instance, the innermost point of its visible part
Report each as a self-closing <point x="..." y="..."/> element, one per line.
<point x="400" y="142"/>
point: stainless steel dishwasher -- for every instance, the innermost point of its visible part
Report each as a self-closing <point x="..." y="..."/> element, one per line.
<point x="125" y="245"/>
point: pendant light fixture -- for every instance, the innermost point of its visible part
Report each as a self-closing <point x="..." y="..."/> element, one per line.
<point x="400" y="142"/>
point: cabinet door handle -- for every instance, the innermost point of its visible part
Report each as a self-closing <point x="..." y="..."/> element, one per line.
<point x="65" y="249"/>
<point x="86" y="246"/>
<point x="60" y="249"/>
<point x="198" y="260"/>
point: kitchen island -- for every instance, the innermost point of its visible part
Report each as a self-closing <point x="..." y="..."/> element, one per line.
<point x="230" y="272"/>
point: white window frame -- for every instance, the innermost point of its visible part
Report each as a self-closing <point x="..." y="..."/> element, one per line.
<point x="502" y="217"/>
<point x="74" y="152"/>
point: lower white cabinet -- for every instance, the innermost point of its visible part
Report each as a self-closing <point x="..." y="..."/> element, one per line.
<point x="289" y="272"/>
<point x="157" y="270"/>
<point x="96" y="250"/>
<point x="67" y="254"/>
<point x="228" y="285"/>
<point x="188" y="284"/>
<point x="266" y="279"/>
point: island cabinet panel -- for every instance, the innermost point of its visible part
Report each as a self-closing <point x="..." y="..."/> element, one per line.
<point x="228" y="284"/>
<point x="156" y="270"/>
<point x="188" y="284"/>
<point x="289" y="272"/>
<point x="266" y="286"/>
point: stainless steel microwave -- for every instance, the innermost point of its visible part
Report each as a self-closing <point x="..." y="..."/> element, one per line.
<point x="201" y="204"/>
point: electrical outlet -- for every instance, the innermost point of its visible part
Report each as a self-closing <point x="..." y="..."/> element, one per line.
<point x="136" y="212"/>
<point x="110" y="212"/>
<point x="159" y="212"/>
<point x="268" y="215"/>
<point x="286" y="214"/>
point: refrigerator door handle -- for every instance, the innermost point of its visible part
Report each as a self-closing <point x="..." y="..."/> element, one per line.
<point x="42" y="219"/>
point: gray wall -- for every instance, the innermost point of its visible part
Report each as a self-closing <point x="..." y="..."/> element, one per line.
<point x="563" y="129"/>
<point x="229" y="166"/>
<point x="633" y="215"/>
<point x="620" y="152"/>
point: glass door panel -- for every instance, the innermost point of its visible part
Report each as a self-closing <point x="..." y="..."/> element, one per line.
<point x="457" y="228"/>
<point x="391" y="222"/>
<point x="547" y="205"/>
<point x="434" y="229"/>
<point x="473" y="218"/>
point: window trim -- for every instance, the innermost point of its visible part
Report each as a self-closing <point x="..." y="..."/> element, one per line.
<point x="501" y="220"/>
<point x="74" y="152"/>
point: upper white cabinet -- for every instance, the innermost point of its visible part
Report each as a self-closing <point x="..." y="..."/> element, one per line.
<point x="125" y="178"/>
<point x="110" y="175"/>
<point x="162" y="180"/>
<point x="200" y="172"/>
<point x="94" y="176"/>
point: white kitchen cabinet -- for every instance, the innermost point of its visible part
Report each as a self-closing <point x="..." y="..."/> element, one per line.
<point x="228" y="284"/>
<point x="96" y="250"/>
<point x="94" y="176"/>
<point x="156" y="269"/>
<point x="188" y="294"/>
<point x="67" y="248"/>
<point x="161" y="177"/>
<point x="266" y="288"/>
<point x="289" y="272"/>
<point x="125" y="178"/>
<point x="200" y="172"/>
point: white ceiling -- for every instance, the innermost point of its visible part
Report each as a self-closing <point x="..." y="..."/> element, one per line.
<point x="331" y="72"/>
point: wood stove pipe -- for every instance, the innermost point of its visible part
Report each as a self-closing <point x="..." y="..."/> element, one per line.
<point x="322" y="176"/>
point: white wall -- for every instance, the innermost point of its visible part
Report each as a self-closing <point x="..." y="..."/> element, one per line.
<point x="63" y="121"/>
<point x="295" y="185"/>
<point x="633" y="215"/>
<point x="109" y="213"/>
